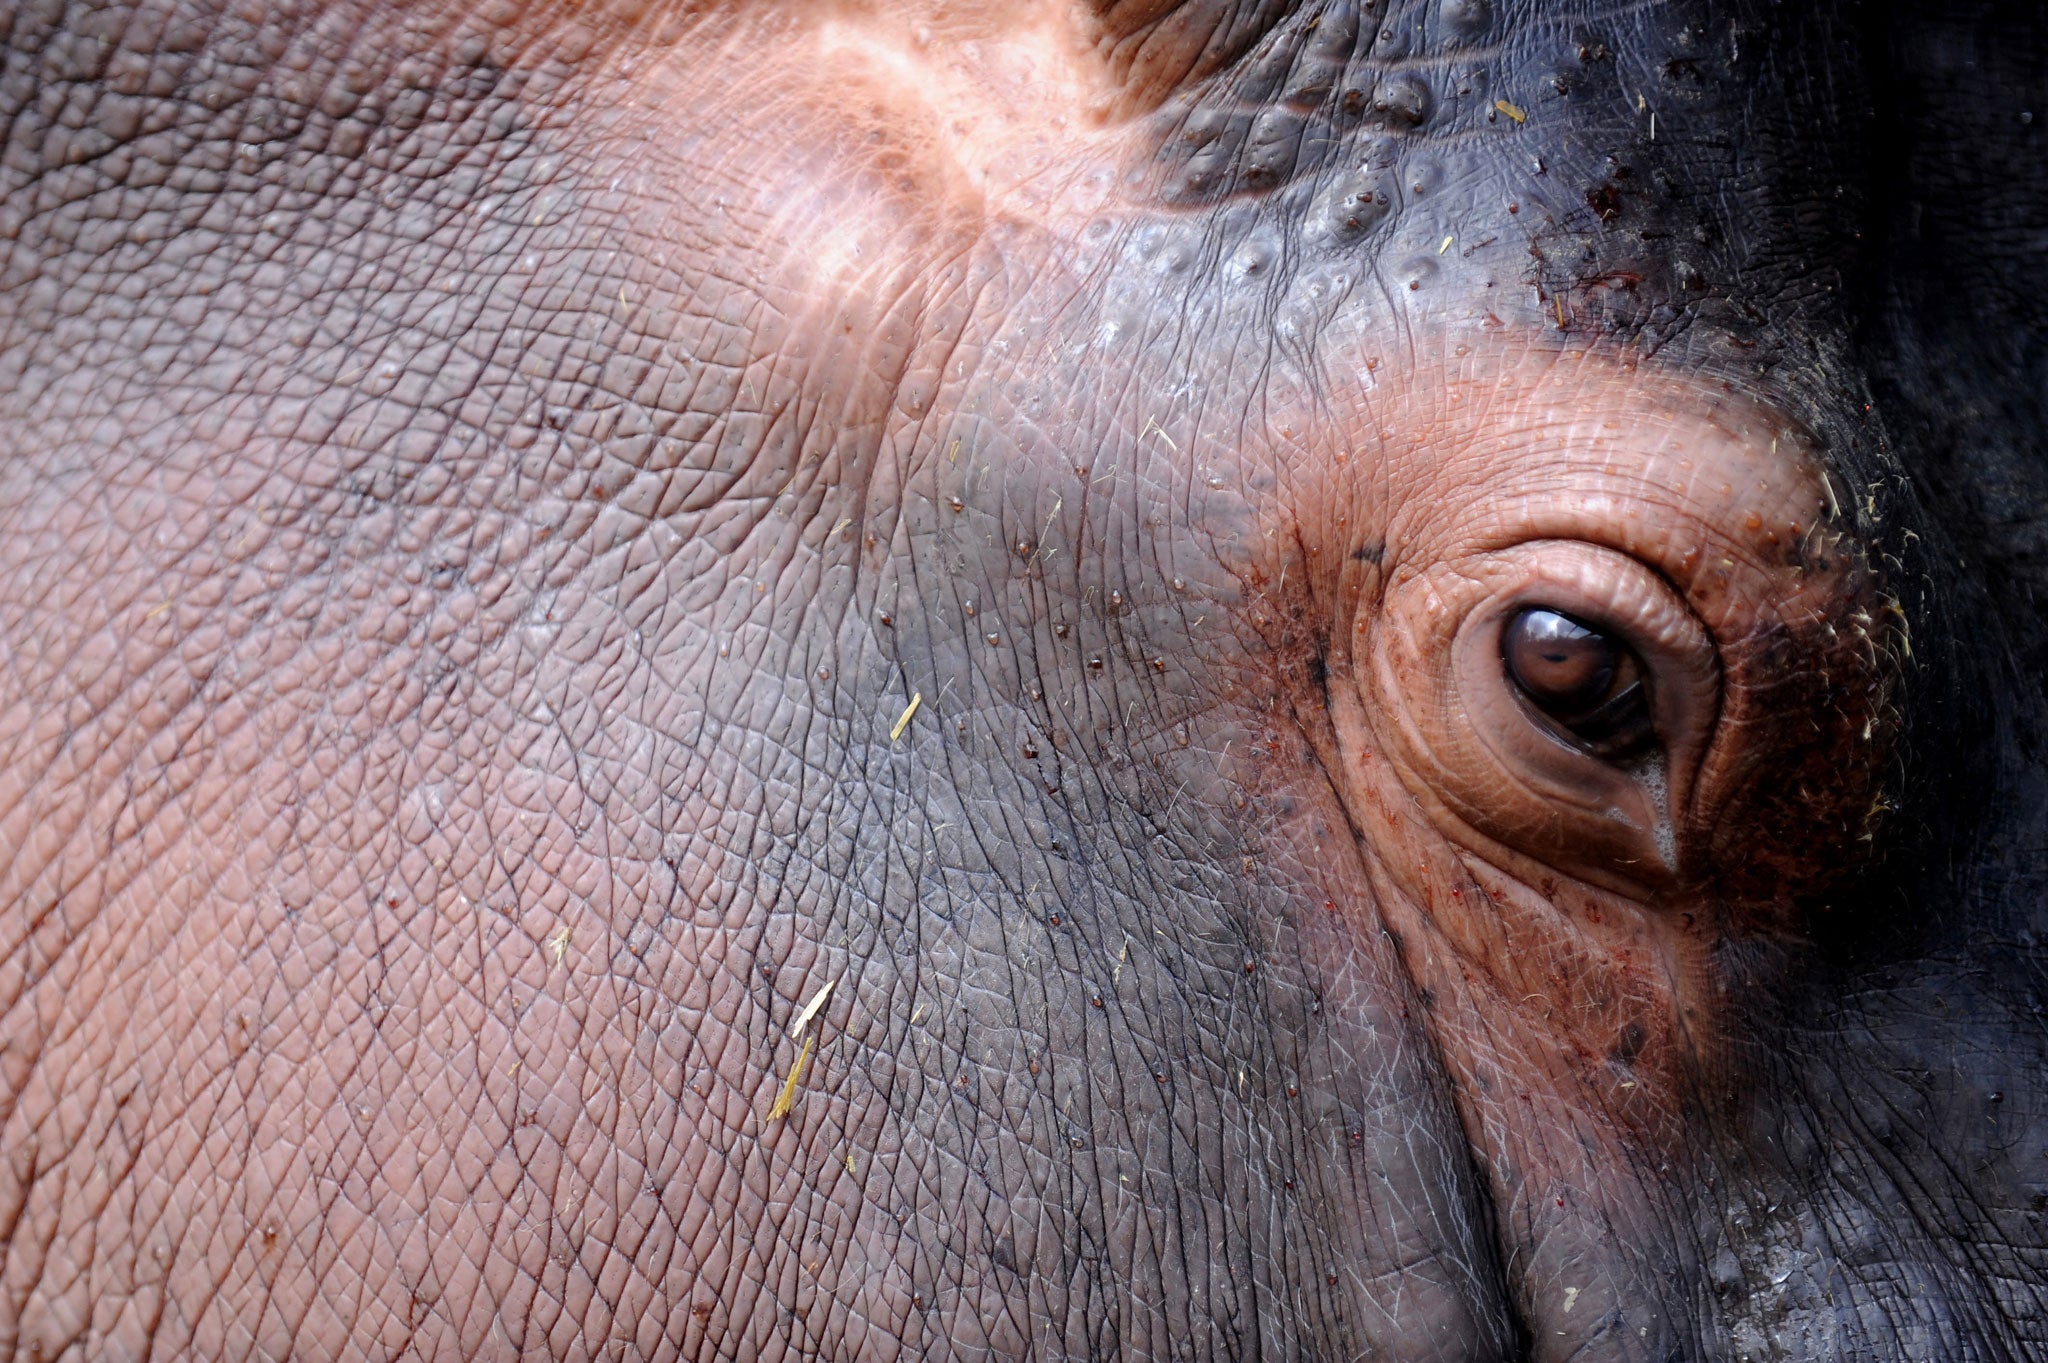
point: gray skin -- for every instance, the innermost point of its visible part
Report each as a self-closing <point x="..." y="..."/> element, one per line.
<point x="481" y="487"/>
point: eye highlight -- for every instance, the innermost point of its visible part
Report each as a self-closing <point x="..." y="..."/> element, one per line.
<point x="1584" y="680"/>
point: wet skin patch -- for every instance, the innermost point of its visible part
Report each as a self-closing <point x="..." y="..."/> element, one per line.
<point x="556" y="542"/>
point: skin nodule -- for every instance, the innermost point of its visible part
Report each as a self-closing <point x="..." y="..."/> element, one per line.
<point x="866" y="681"/>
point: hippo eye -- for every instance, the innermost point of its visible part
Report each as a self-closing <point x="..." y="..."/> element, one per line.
<point x="1584" y="680"/>
<point x="1555" y="698"/>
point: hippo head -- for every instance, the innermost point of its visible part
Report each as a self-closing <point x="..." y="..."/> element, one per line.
<point x="1327" y="679"/>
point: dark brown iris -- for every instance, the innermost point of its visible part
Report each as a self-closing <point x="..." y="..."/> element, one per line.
<point x="1585" y="680"/>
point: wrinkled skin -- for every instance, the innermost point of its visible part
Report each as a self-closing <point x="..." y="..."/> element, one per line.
<point x="533" y="538"/>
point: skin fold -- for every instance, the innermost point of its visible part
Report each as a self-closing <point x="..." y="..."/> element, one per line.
<point x="536" y="538"/>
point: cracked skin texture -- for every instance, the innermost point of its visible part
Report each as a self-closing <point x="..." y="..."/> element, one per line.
<point x="483" y="486"/>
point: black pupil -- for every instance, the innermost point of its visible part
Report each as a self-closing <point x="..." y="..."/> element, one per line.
<point x="1559" y="663"/>
<point x="1584" y="679"/>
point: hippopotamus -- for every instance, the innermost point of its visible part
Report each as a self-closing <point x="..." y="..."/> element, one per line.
<point x="1137" y="679"/>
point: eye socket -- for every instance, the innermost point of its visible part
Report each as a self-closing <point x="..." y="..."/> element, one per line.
<point x="1555" y="698"/>
<point x="1583" y="680"/>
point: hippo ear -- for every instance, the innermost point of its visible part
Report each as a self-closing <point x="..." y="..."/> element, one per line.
<point x="1153" y="48"/>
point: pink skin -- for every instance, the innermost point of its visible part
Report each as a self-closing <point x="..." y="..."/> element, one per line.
<point x="374" y="953"/>
<point x="1564" y="916"/>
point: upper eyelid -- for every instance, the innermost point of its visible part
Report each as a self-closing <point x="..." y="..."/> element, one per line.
<point x="1661" y="616"/>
